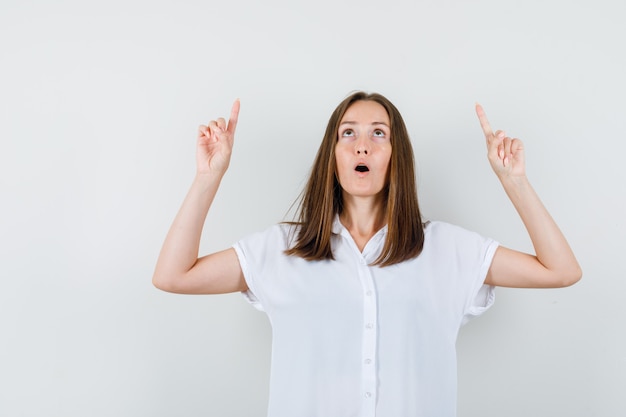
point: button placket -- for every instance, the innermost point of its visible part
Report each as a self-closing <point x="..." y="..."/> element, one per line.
<point x="370" y="336"/>
<point x="370" y="316"/>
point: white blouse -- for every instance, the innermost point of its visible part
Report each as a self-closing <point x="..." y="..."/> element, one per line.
<point x="350" y="339"/>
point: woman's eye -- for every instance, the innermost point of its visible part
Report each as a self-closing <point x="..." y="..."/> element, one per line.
<point x="348" y="133"/>
<point x="379" y="133"/>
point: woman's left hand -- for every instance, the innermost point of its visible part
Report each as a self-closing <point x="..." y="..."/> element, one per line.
<point x="554" y="264"/>
<point x="506" y="155"/>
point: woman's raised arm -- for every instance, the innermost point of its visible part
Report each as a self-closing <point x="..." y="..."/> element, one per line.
<point x="178" y="267"/>
<point x="554" y="264"/>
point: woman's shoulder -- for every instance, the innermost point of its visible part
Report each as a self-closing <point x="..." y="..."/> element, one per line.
<point x="438" y="226"/>
<point x="435" y="230"/>
<point x="280" y="234"/>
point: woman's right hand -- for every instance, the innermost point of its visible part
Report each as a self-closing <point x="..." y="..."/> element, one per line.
<point x="179" y="269"/>
<point x="215" y="144"/>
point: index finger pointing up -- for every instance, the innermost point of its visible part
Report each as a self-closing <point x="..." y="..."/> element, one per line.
<point x="484" y="123"/>
<point x="234" y="116"/>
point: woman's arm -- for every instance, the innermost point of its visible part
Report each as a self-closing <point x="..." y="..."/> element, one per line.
<point x="554" y="264"/>
<point x="178" y="268"/>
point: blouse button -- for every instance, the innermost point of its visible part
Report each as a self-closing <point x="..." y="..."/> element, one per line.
<point x="368" y="395"/>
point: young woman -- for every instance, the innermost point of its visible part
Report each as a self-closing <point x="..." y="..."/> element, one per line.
<point x="365" y="300"/>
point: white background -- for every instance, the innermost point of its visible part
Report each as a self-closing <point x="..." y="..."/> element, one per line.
<point x="99" y="105"/>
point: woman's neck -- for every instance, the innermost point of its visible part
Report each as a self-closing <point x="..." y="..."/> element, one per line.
<point x="362" y="218"/>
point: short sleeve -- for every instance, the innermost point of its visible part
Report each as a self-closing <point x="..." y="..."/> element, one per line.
<point x="482" y="296"/>
<point x="260" y="255"/>
<point x="250" y="294"/>
<point x="462" y="258"/>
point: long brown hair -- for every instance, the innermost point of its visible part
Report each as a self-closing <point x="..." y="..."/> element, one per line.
<point x="322" y="197"/>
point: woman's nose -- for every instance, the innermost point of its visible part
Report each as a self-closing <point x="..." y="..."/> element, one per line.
<point x="361" y="147"/>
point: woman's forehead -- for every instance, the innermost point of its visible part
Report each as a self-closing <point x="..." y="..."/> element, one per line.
<point x="366" y="111"/>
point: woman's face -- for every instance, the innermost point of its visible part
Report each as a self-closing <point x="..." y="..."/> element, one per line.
<point x="363" y="149"/>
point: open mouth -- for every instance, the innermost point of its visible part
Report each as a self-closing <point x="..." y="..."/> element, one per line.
<point x="362" y="168"/>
